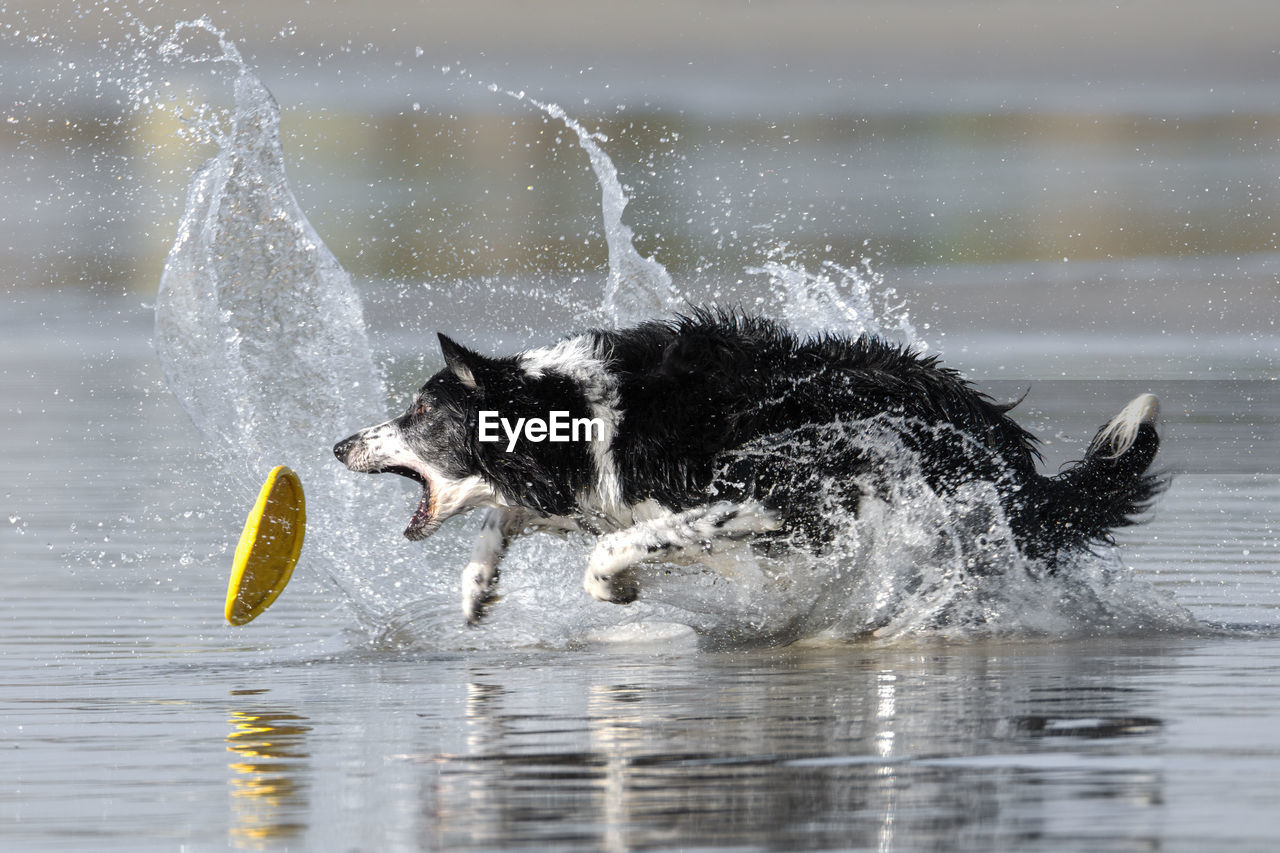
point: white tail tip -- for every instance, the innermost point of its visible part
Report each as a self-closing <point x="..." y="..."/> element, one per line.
<point x="1122" y="430"/>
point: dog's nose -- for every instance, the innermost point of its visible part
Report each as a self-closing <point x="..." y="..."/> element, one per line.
<point x="343" y="448"/>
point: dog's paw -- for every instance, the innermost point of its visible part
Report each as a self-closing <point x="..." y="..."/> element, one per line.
<point x="621" y="588"/>
<point x="606" y="579"/>
<point x="731" y="521"/>
<point x="475" y="614"/>
<point x="479" y="590"/>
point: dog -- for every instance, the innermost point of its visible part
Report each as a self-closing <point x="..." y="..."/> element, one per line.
<point x="716" y="429"/>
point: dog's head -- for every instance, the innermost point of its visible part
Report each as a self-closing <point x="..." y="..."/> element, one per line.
<point x="436" y="441"/>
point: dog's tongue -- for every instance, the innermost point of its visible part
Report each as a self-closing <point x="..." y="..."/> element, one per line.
<point x="420" y="523"/>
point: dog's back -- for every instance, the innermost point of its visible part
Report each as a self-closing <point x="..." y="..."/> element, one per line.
<point x="701" y="393"/>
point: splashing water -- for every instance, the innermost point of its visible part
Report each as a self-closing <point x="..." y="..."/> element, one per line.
<point x="638" y="288"/>
<point x="261" y="336"/>
<point x="836" y="298"/>
<point x="913" y="562"/>
<point x="258" y="328"/>
<point x="252" y="300"/>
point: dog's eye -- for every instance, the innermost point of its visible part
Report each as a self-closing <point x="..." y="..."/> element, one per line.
<point x="420" y="409"/>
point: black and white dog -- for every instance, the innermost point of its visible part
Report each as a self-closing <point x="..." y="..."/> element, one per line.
<point x="716" y="429"/>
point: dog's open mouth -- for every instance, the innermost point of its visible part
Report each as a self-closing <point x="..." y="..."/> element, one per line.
<point x="423" y="522"/>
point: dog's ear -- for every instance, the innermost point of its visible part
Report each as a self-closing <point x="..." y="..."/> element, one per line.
<point x="462" y="361"/>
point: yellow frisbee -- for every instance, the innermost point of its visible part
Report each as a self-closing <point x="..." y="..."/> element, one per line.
<point x="269" y="547"/>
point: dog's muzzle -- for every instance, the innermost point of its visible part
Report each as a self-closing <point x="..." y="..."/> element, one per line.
<point x="343" y="448"/>
<point x="353" y="452"/>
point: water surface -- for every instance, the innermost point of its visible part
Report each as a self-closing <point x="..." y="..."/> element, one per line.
<point x="1086" y="245"/>
<point x="133" y="719"/>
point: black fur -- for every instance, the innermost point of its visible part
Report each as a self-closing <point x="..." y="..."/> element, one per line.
<point x="546" y="476"/>
<point x="721" y="405"/>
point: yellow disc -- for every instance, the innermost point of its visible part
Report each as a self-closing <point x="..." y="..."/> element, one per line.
<point x="269" y="547"/>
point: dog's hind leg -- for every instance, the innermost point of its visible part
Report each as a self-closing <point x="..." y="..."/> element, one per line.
<point x="480" y="577"/>
<point x="665" y="537"/>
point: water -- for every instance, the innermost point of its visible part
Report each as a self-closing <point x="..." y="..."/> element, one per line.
<point x="359" y="714"/>
<point x="637" y="287"/>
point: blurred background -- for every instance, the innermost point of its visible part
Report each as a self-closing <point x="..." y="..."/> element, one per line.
<point x="1110" y="167"/>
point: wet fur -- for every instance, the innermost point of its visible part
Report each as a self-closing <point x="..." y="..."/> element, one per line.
<point x="698" y="411"/>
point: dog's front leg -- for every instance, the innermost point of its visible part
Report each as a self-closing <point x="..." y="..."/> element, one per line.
<point x="663" y="538"/>
<point x="480" y="577"/>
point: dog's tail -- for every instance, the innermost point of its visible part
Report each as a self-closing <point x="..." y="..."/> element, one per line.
<point x="1110" y="487"/>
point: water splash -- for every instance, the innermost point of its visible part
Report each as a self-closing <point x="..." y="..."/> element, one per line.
<point x="914" y="561"/>
<point x="252" y="301"/>
<point x="258" y="328"/>
<point x="638" y="288"/>
<point x="849" y="299"/>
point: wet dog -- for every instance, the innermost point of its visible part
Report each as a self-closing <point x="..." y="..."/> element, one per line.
<point x="677" y="439"/>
